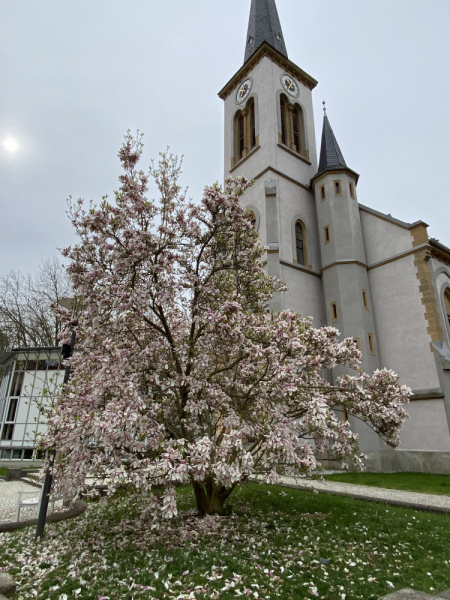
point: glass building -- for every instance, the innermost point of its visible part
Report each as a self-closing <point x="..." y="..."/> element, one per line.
<point x="28" y="377"/>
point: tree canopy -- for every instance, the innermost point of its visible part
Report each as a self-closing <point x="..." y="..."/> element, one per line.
<point x="185" y="375"/>
<point x="26" y="318"/>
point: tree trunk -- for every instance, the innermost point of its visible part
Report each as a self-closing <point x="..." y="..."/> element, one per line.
<point x="210" y="497"/>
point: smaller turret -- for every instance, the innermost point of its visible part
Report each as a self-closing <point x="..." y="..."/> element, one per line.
<point x="344" y="269"/>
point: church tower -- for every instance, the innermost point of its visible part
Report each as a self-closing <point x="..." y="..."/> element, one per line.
<point x="378" y="280"/>
<point x="270" y="138"/>
<point x="344" y="266"/>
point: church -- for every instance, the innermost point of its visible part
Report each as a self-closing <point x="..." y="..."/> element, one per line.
<point x="377" y="279"/>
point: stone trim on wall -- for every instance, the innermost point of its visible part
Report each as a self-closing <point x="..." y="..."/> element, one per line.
<point x="283" y="62"/>
<point x="250" y="153"/>
<point x="296" y="154"/>
<point x="429" y="394"/>
<point x="419" y="234"/>
<point x="280" y="174"/>
<point x="390" y="218"/>
<point x="343" y="262"/>
<point x="396" y="257"/>
<point x="300" y="268"/>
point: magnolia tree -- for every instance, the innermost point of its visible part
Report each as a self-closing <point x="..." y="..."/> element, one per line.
<point x="185" y="376"/>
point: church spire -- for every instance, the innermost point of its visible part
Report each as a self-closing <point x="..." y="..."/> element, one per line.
<point x="264" y="26"/>
<point x="331" y="156"/>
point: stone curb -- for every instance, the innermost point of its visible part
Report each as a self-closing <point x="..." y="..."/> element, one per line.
<point x="409" y="594"/>
<point x="404" y="503"/>
<point x="78" y="508"/>
<point x="8" y="586"/>
<point x="30" y="482"/>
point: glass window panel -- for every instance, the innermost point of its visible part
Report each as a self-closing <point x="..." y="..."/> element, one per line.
<point x="40" y="455"/>
<point x="253" y="123"/>
<point x="16" y="387"/>
<point x="41" y="365"/>
<point x="22" y="410"/>
<point x="299" y="244"/>
<point x="12" y="410"/>
<point x="296" y="128"/>
<point x="20" y="365"/>
<point x="19" y="432"/>
<point x="52" y="364"/>
<point x="17" y="453"/>
<point x="6" y="453"/>
<point x="241" y="133"/>
<point x="31" y="365"/>
<point x="283" y="120"/>
<point x="7" y="432"/>
<point x="28" y="453"/>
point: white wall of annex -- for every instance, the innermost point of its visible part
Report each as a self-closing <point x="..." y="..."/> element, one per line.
<point x="383" y="239"/>
<point x="403" y="340"/>
<point x="427" y="427"/>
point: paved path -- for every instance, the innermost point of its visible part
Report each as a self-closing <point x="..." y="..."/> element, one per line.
<point x="8" y="500"/>
<point x="431" y="502"/>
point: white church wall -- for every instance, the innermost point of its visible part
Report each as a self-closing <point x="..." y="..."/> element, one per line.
<point x="297" y="203"/>
<point x="383" y="239"/>
<point x="427" y="428"/>
<point x="304" y="294"/>
<point x="403" y="340"/>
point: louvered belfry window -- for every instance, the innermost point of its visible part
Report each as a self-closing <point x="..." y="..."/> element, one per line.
<point x="299" y="242"/>
<point x="283" y="120"/>
<point x="296" y="129"/>
<point x="241" y="135"/>
<point x="253" y="124"/>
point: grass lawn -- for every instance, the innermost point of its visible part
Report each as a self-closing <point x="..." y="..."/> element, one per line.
<point x="270" y="547"/>
<point x="412" y="482"/>
<point x="3" y="470"/>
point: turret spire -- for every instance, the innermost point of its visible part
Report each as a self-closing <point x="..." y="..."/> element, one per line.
<point x="264" y="26"/>
<point x="331" y="156"/>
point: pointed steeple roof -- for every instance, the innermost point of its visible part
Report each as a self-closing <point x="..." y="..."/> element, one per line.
<point x="331" y="157"/>
<point x="330" y="153"/>
<point x="264" y="26"/>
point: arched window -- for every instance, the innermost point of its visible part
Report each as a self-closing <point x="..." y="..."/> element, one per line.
<point x="300" y="243"/>
<point x="283" y="111"/>
<point x="245" y="131"/>
<point x="252" y="218"/>
<point x="447" y="305"/>
<point x="252" y="124"/>
<point x="297" y="130"/>
<point x="240" y="136"/>
<point x="292" y="128"/>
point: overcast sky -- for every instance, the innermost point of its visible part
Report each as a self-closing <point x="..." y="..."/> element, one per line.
<point x="75" y="75"/>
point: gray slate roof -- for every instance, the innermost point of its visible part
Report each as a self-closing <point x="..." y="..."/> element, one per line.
<point x="264" y="26"/>
<point x="331" y="156"/>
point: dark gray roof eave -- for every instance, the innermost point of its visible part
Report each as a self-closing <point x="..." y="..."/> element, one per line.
<point x="333" y="169"/>
<point x="437" y="244"/>
<point x="37" y="349"/>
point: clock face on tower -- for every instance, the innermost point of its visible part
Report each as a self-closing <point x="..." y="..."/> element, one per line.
<point x="243" y="91"/>
<point x="289" y="85"/>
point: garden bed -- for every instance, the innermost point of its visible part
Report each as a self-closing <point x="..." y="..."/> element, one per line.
<point x="277" y="543"/>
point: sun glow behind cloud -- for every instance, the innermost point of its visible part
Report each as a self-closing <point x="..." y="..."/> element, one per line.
<point x="11" y="145"/>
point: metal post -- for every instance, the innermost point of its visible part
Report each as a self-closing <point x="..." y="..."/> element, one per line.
<point x="48" y="475"/>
